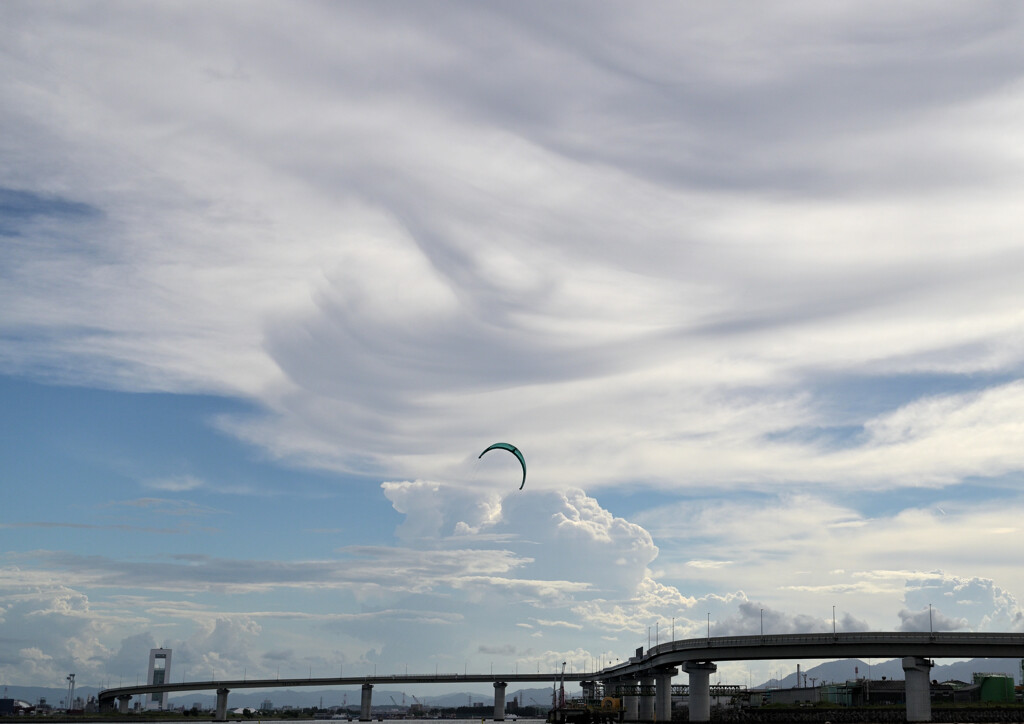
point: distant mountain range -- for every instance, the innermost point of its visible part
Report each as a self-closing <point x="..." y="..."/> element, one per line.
<point x="846" y="669"/>
<point x="832" y="671"/>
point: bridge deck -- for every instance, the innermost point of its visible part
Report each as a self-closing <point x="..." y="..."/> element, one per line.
<point x="664" y="656"/>
<point x="231" y="684"/>
<point x="823" y="646"/>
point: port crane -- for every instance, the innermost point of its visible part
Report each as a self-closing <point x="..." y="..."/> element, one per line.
<point x="417" y="708"/>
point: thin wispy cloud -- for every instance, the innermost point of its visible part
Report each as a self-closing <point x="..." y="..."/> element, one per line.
<point x="743" y="285"/>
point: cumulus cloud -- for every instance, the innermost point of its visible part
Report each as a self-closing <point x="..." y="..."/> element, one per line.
<point x="598" y="550"/>
<point x="132" y="656"/>
<point x="786" y="549"/>
<point x="957" y="602"/>
<point x="51" y="629"/>
<point x="929" y="620"/>
<point x="753" y="617"/>
<point x="600" y="574"/>
<point x="429" y="514"/>
<point x="762" y="266"/>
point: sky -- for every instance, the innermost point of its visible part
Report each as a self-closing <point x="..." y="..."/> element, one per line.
<point x="742" y="281"/>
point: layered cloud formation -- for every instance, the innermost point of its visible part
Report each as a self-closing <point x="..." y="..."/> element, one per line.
<point x="745" y="286"/>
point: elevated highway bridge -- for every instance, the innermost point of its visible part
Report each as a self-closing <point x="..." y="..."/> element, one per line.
<point x="697" y="658"/>
<point x="223" y="687"/>
<point x="652" y="671"/>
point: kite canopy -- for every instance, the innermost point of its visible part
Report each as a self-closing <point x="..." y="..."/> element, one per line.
<point x="512" y="449"/>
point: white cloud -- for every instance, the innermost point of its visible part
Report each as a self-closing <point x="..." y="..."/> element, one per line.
<point x="422" y="503"/>
<point x="656" y="310"/>
<point x="752" y="617"/>
<point x="786" y="549"/>
<point x="176" y="484"/>
<point x="928" y="620"/>
<point x="947" y="602"/>
<point x="771" y="256"/>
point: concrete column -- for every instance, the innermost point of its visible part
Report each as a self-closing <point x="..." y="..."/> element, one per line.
<point x="222" y="705"/>
<point x="917" y="675"/>
<point x="499" y="700"/>
<point x="700" y="689"/>
<point x="122" y="703"/>
<point x="365" y="703"/>
<point x="663" y="697"/>
<point x="630" y="702"/>
<point x="589" y="691"/>
<point x="646" y="700"/>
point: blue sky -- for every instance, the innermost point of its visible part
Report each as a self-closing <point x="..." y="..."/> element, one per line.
<point x="743" y="283"/>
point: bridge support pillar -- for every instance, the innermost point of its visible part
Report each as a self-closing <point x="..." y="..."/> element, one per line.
<point x="917" y="673"/>
<point x="122" y="703"/>
<point x="663" y="694"/>
<point x="700" y="689"/>
<point x="499" y="700"/>
<point x="630" y="702"/>
<point x="365" y="702"/>
<point x="646" y="700"/>
<point x="222" y="705"/>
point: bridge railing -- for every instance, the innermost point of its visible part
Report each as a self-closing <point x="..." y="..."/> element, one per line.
<point x="866" y="637"/>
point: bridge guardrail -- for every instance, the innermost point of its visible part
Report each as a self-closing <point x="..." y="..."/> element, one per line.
<point x="820" y="638"/>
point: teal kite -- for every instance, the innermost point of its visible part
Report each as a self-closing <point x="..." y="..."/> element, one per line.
<point x="512" y="449"/>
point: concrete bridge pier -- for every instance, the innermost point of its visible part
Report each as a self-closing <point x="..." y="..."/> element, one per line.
<point x="630" y="701"/>
<point x="365" y="702"/>
<point x="663" y="694"/>
<point x="222" y="705"/>
<point x="917" y="673"/>
<point x="122" y="703"/>
<point x="700" y="689"/>
<point x="499" y="700"/>
<point x="646" y="700"/>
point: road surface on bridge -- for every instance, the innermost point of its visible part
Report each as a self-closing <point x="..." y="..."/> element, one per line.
<point x="140" y="689"/>
<point x="933" y="645"/>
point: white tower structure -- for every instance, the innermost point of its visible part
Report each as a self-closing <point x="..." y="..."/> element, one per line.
<point x="159" y="673"/>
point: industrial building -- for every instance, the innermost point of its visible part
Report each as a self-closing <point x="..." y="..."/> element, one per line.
<point x="983" y="689"/>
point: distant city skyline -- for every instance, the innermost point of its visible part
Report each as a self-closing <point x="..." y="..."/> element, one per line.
<point x="742" y="284"/>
